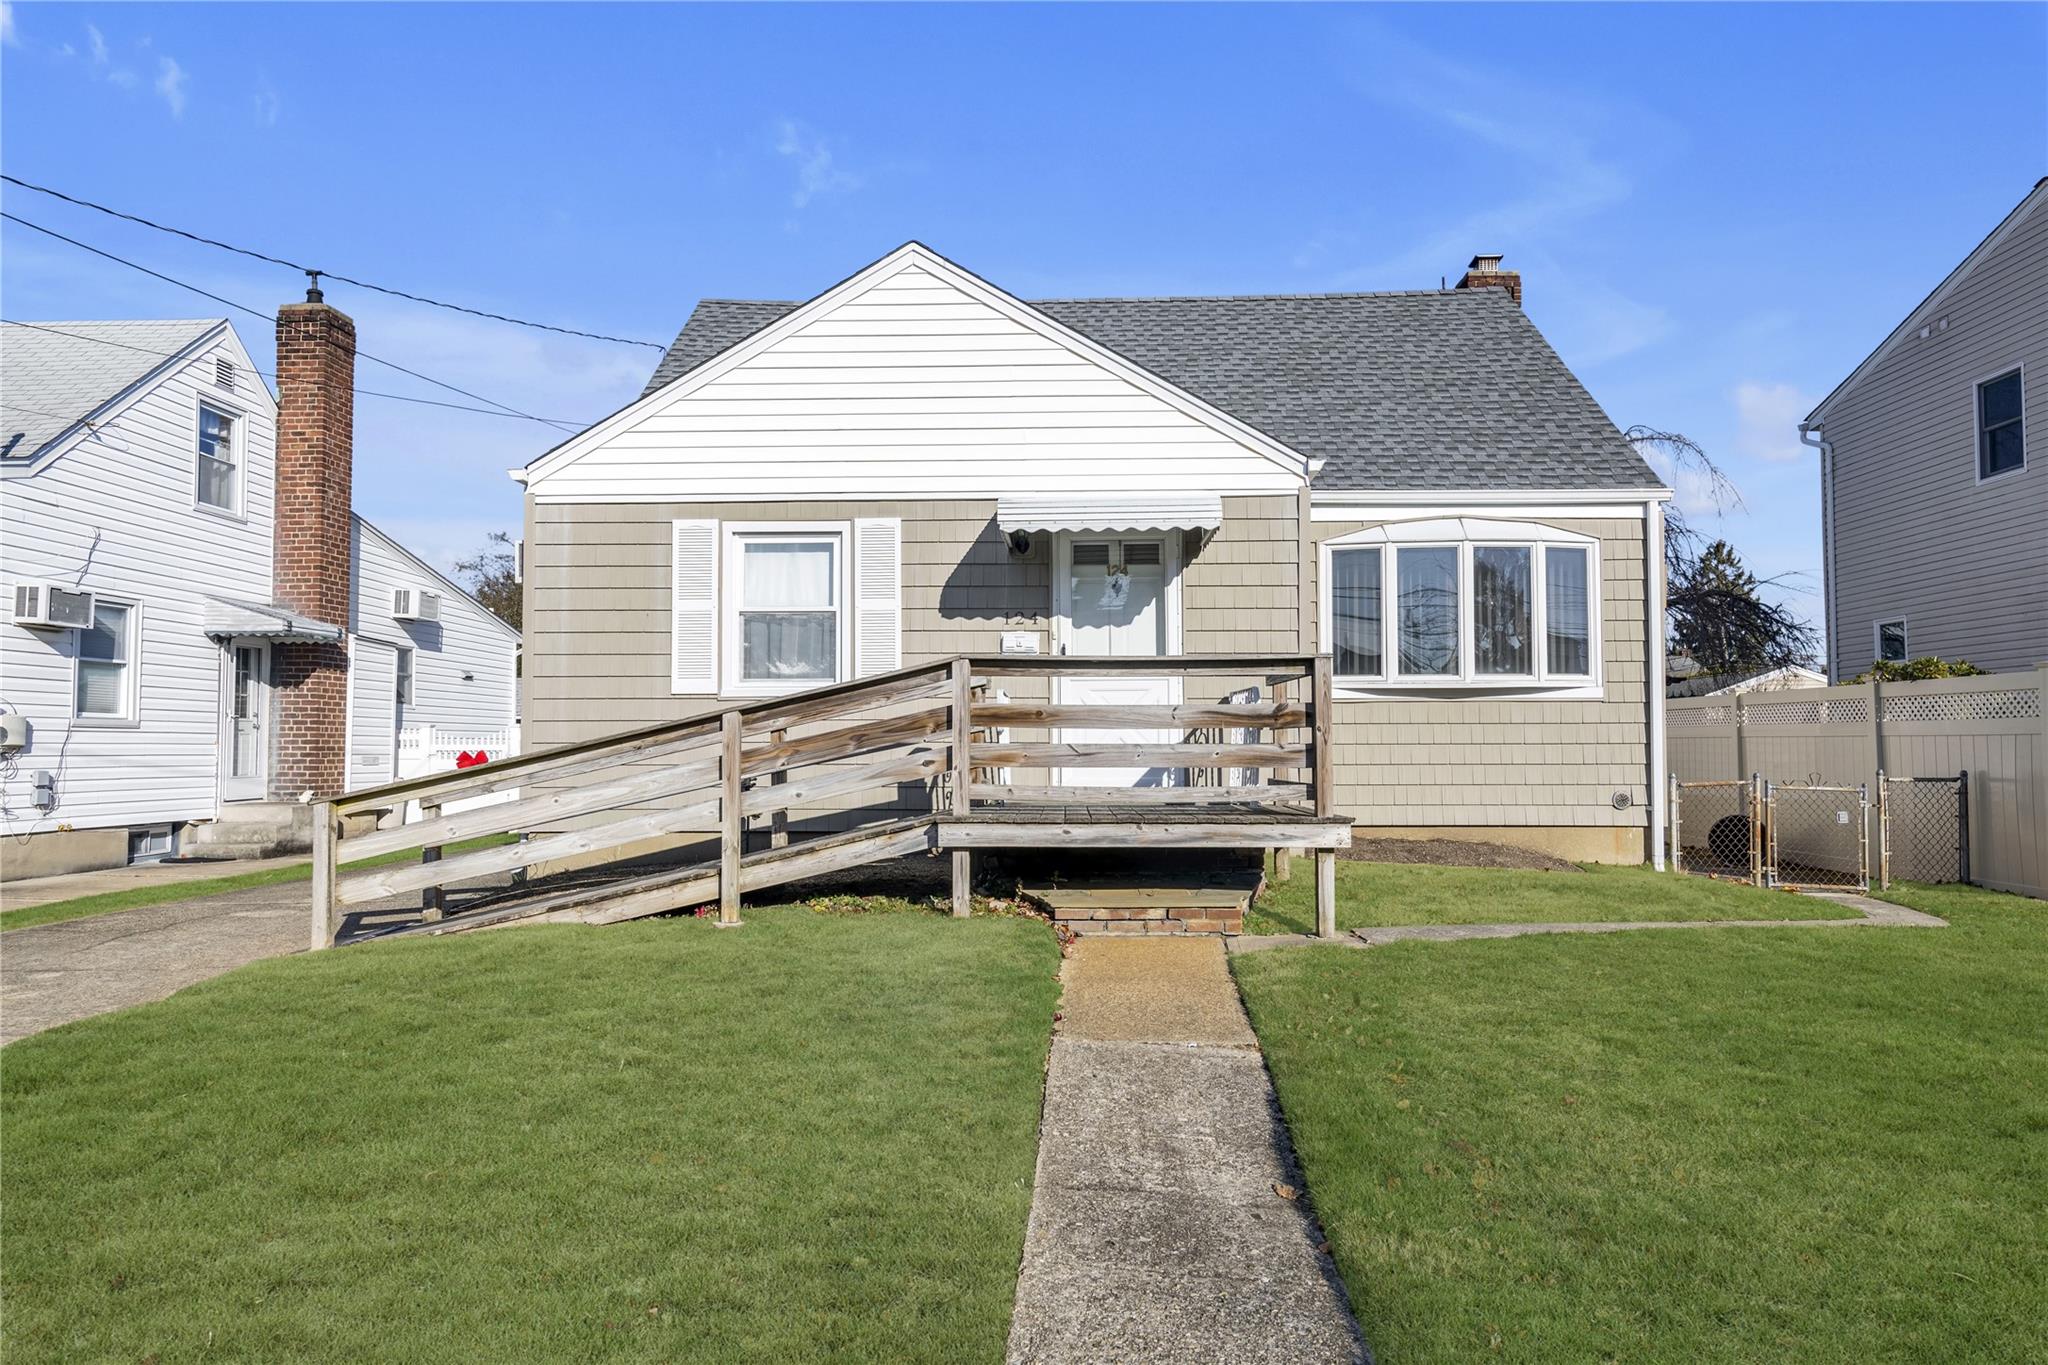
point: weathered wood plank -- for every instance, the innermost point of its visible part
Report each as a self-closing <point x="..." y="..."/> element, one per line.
<point x="831" y="745"/>
<point x="1254" y="714"/>
<point x="963" y="883"/>
<point x="1326" y="893"/>
<point x="729" y="816"/>
<point x="807" y="709"/>
<point x="914" y="766"/>
<point x="1165" y="665"/>
<point x="430" y="899"/>
<point x="324" y="866"/>
<point x="1138" y="797"/>
<point x="533" y="810"/>
<point x="1325" y="752"/>
<point x="982" y="832"/>
<point x="1083" y="755"/>
<point x="383" y="881"/>
<point x="963" y="734"/>
<point x="547" y="765"/>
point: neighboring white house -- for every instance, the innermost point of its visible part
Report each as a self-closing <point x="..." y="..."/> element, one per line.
<point x="147" y="661"/>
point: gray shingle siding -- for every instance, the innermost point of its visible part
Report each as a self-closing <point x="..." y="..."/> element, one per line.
<point x="1436" y="389"/>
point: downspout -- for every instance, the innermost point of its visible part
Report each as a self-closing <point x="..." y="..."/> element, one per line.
<point x="1653" y="671"/>
<point x="1827" y="534"/>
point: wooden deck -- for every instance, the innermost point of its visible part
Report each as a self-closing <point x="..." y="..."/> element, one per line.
<point x="1233" y="774"/>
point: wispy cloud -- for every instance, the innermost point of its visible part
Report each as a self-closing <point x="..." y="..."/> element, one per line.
<point x="170" y="83"/>
<point x="7" y="23"/>
<point x="817" y="173"/>
<point x="98" y="42"/>
<point x="267" y="102"/>
<point x="1557" y="160"/>
<point x="1767" y="420"/>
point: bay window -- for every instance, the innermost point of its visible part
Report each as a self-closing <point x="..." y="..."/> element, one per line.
<point x="1473" y="604"/>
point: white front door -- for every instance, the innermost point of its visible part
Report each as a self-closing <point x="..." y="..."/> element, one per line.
<point x="245" y="716"/>
<point x="372" y="714"/>
<point x="1117" y="598"/>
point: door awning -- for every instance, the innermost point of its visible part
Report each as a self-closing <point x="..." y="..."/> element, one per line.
<point x="227" y="618"/>
<point x="1096" y="512"/>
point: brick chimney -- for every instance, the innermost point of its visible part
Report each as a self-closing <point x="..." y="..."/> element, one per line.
<point x="316" y="365"/>
<point x="1485" y="273"/>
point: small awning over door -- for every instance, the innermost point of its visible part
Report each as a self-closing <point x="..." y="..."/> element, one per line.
<point x="227" y="618"/>
<point x="1103" y="512"/>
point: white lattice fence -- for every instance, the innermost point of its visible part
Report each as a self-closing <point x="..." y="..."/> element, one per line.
<point x="1994" y="728"/>
<point x="424" y="749"/>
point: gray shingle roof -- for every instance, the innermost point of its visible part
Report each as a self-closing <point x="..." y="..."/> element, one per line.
<point x="1421" y="390"/>
<point x="54" y="373"/>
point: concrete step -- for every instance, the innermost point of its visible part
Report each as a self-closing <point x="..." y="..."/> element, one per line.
<point x="1200" y="895"/>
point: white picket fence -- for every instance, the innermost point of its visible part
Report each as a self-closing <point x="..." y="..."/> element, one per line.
<point x="424" y="749"/>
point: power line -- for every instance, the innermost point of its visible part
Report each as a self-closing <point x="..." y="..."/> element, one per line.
<point x="272" y="319"/>
<point x="272" y="374"/>
<point x="328" y="274"/>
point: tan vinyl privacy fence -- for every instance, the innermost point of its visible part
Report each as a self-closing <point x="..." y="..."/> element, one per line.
<point x="1995" y="728"/>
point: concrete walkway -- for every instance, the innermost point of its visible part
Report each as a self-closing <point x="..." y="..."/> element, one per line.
<point x="34" y="891"/>
<point x="1169" y="1221"/>
<point x="1875" y="913"/>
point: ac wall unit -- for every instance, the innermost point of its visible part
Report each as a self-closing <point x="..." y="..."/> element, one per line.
<point x="415" y="604"/>
<point x="46" y="606"/>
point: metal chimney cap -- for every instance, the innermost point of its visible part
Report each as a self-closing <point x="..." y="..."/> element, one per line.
<point x="1486" y="263"/>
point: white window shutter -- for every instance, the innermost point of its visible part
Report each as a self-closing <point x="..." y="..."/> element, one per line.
<point x="693" y="623"/>
<point x="878" y="595"/>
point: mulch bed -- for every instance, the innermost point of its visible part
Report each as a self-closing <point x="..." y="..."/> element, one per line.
<point x="1452" y="853"/>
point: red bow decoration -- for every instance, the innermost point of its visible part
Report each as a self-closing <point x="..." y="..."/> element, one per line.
<point x="466" y="759"/>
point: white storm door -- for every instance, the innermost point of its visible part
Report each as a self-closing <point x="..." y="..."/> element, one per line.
<point x="1117" y="600"/>
<point x="245" y="712"/>
<point x="372" y="714"/>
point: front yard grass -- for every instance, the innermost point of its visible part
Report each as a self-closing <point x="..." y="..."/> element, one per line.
<point x="1787" y="1144"/>
<point x="1385" y="894"/>
<point x="811" y="1137"/>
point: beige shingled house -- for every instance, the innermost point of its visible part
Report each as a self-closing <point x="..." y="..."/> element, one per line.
<point x="915" y="465"/>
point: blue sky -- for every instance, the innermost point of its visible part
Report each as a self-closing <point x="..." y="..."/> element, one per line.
<point x="1718" y="210"/>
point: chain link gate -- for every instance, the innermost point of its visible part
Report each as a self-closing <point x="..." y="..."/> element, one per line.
<point x="1717" y="830"/>
<point x="1817" y="836"/>
<point x="1923" y="826"/>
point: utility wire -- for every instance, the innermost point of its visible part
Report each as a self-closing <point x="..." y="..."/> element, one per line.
<point x="272" y="319"/>
<point x="327" y="274"/>
<point x="272" y="374"/>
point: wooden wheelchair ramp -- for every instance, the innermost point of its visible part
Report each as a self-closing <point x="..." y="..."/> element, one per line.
<point x="939" y="757"/>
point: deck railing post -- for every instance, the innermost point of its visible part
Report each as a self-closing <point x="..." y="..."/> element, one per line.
<point x="1283" y="857"/>
<point x="778" y="819"/>
<point x="1323" y="776"/>
<point x="729" y="821"/>
<point x="431" y="907"/>
<point x="963" y="732"/>
<point x="324" y="864"/>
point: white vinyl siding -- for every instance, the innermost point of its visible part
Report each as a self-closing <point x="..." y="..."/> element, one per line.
<point x="113" y="513"/>
<point x="372" y="713"/>
<point x="463" y="668"/>
<point x="913" y="388"/>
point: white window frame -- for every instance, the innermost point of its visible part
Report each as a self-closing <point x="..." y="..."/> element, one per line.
<point x="1465" y="534"/>
<point x="408" y="679"/>
<point x="1877" y="640"/>
<point x="131" y="671"/>
<point x="732" y="587"/>
<point x="1977" y="424"/>
<point x="238" y="440"/>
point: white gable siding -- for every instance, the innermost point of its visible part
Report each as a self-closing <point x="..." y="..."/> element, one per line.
<point x="467" y="639"/>
<point x="911" y="388"/>
<point x="115" y="514"/>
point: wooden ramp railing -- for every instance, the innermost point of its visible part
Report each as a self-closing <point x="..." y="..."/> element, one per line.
<point x="925" y="758"/>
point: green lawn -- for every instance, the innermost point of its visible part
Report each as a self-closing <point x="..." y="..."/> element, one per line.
<point x="106" y="902"/>
<point x="1779" y="1145"/>
<point x="1383" y="894"/>
<point x="811" y="1137"/>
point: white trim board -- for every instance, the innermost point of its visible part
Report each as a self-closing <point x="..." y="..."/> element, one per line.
<point x="1289" y="468"/>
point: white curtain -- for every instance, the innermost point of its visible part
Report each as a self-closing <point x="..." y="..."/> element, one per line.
<point x="787" y="575"/>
